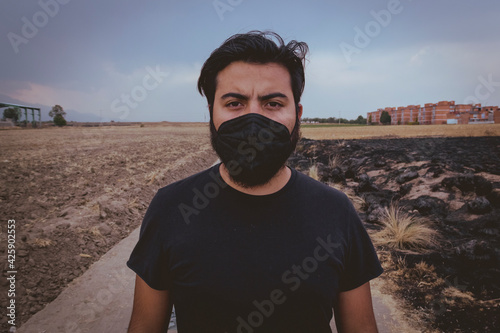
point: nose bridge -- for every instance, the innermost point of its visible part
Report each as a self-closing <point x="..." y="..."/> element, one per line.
<point x="254" y="106"/>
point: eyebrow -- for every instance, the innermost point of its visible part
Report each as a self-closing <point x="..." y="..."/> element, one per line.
<point x="261" y="98"/>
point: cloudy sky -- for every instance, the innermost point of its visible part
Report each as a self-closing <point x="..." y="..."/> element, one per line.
<point x="140" y="60"/>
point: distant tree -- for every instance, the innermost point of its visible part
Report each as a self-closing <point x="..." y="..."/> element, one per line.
<point x="332" y="120"/>
<point x="57" y="109"/>
<point x="360" y="120"/>
<point x="59" y="120"/>
<point x="58" y="114"/>
<point x="385" y="118"/>
<point x="370" y="119"/>
<point x="11" y="113"/>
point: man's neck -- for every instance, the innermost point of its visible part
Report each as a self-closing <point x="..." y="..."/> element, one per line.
<point x="274" y="185"/>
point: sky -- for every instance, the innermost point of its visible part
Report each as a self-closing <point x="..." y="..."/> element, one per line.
<point x="140" y="60"/>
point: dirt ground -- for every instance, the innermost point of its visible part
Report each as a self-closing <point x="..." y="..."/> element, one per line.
<point x="75" y="192"/>
<point x="452" y="183"/>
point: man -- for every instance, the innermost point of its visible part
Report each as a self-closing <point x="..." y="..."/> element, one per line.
<point x="251" y="245"/>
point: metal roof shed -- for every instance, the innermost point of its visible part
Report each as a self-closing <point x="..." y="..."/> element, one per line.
<point x="26" y="108"/>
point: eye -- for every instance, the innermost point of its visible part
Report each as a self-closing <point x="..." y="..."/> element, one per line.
<point x="234" y="104"/>
<point x="274" y="105"/>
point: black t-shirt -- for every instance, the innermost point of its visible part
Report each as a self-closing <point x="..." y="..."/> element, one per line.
<point x="235" y="262"/>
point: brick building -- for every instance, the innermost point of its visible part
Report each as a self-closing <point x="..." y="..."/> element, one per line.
<point x="444" y="112"/>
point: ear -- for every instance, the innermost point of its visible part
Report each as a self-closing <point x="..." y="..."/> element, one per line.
<point x="299" y="113"/>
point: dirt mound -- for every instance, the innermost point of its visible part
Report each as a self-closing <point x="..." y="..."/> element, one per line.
<point x="75" y="193"/>
<point x="453" y="183"/>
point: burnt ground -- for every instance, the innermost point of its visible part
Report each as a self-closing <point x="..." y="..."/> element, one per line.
<point x="454" y="184"/>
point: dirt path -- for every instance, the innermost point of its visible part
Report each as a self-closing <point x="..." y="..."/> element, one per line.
<point x="101" y="300"/>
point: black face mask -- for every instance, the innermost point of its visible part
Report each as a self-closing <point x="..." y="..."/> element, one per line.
<point x="253" y="147"/>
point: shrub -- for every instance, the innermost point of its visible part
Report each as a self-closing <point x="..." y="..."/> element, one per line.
<point x="11" y="113"/>
<point x="405" y="232"/>
<point x="59" y="120"/>
<point x="385" y="118"/>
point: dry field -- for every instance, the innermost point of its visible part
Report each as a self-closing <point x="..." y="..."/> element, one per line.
<point x="333" y="132"/>
<point x="75" y="192"/>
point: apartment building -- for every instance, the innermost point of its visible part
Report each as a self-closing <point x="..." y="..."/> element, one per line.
<point x="444" y="112"/>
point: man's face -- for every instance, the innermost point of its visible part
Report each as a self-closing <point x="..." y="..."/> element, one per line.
<point x="255" y="88"/>
<point x="263" y="89"/>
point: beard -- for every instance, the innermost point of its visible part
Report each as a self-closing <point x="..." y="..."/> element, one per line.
<point x="264" y="164"/>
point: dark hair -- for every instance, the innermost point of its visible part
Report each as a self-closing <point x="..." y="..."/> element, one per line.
<point x="255" y="47"/>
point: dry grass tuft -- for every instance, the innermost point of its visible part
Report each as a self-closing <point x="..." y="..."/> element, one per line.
<point x="341" y="143"/>
<point x="94" y="231"/>
<point x="150" y="177"/>
<point x="334" y="161"/>
<point x="405" y="232"/>
<point x="358" y="202"/>
<point x="454" y="296"/>
<point x="313" y="172"/>
<point x="423" y="270"/>
<point x="400" y="263"/>
<point x="133" y="203"/>
<point x="42" y="242"/>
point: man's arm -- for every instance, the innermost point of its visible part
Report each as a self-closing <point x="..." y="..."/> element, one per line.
<point x="152" y="309"/>
<point x="354" y="311"/>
